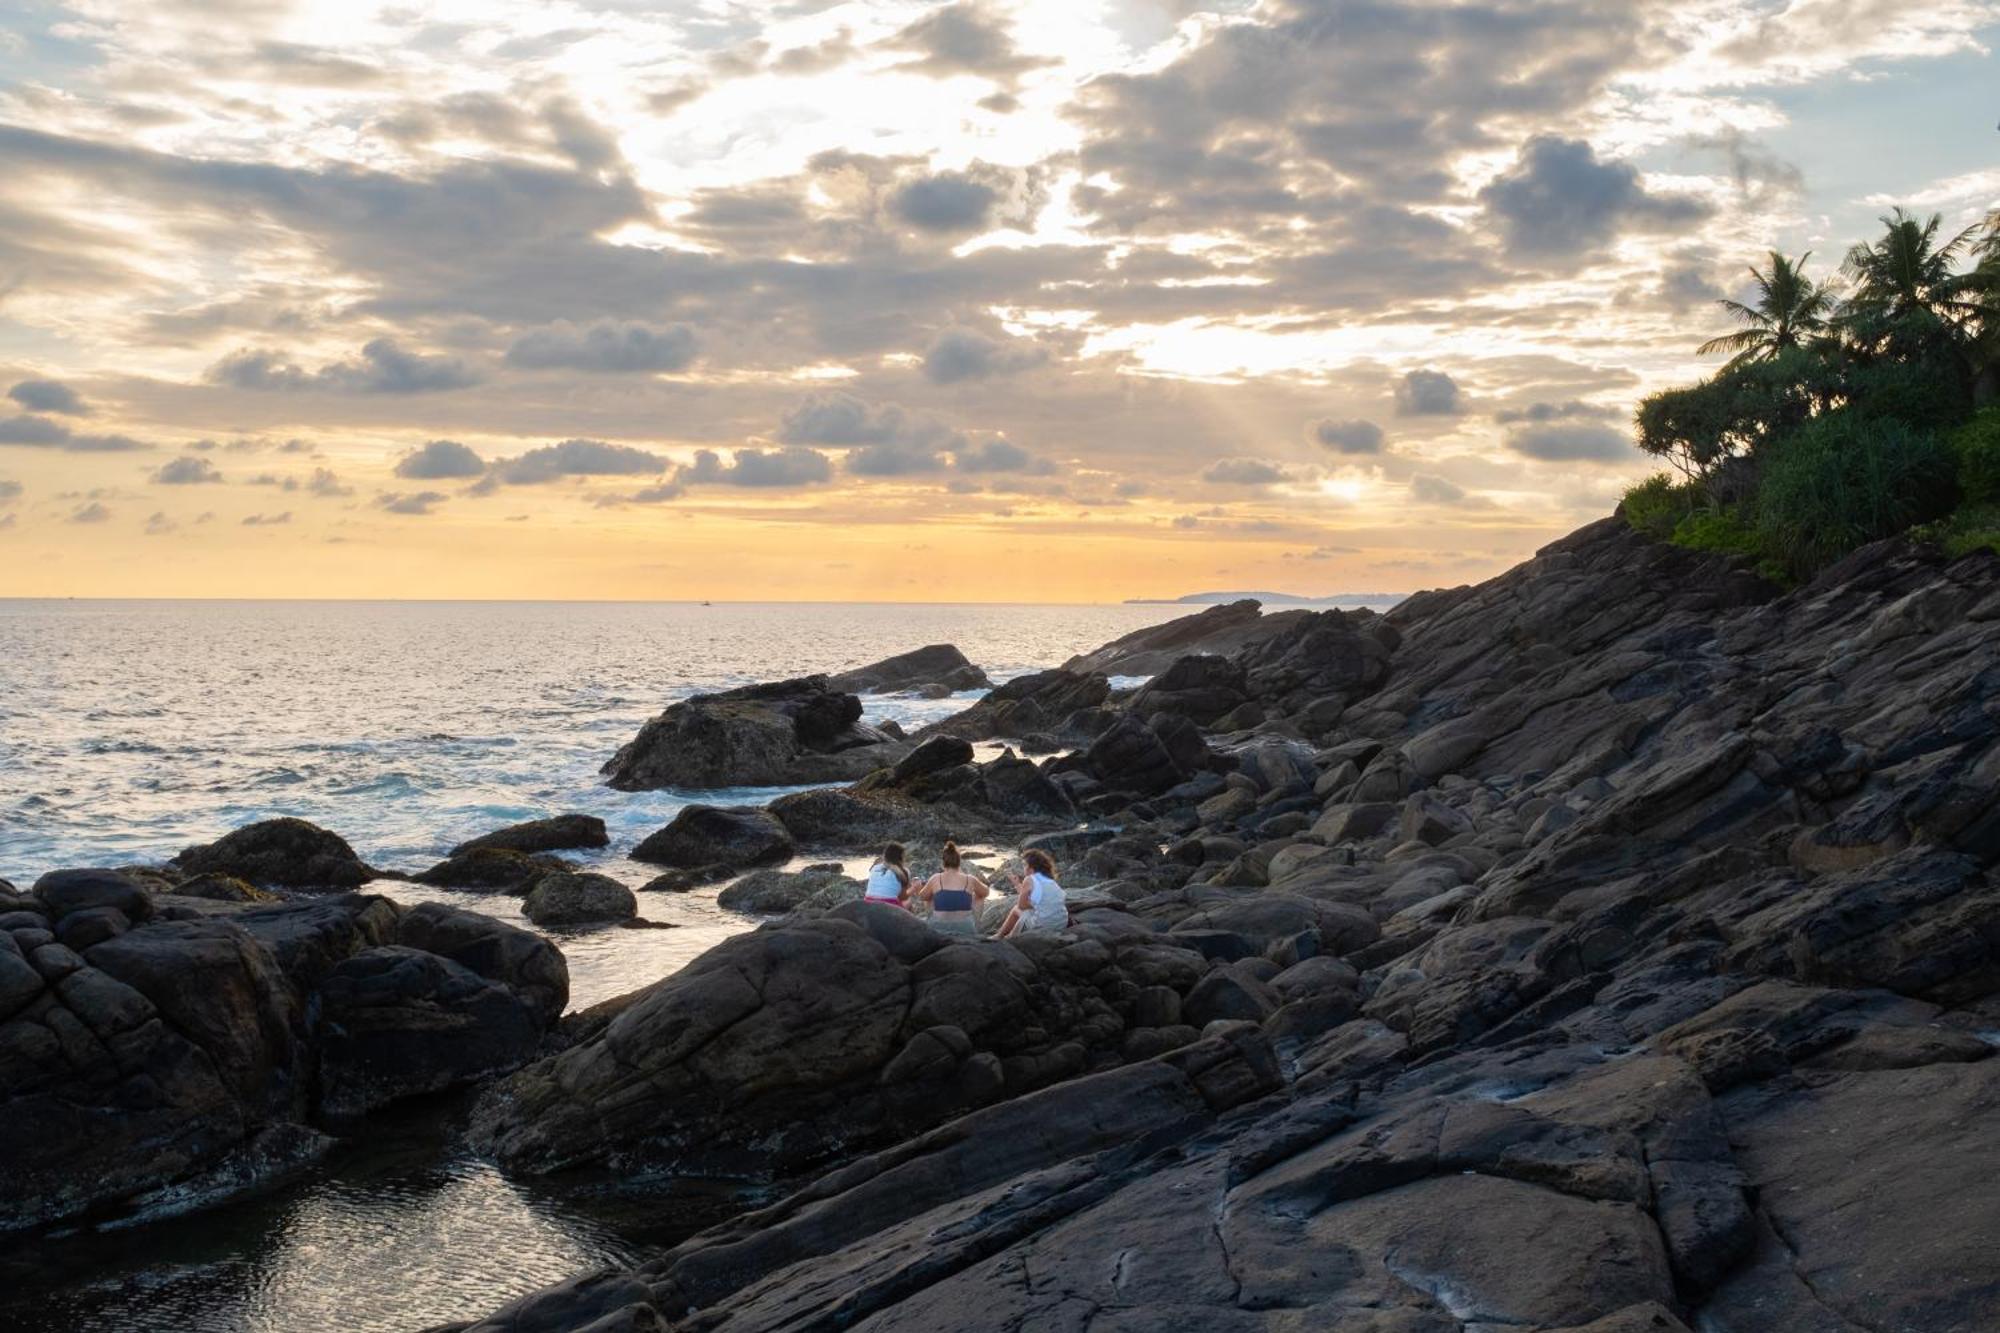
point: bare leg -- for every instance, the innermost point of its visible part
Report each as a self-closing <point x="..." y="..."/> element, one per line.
<point x="1011" y="924"/>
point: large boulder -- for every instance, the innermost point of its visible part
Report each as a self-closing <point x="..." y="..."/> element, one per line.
<point x="1217" y="631"/>
<point x="1038" y="702"/>
<point x="583" y="899"/>
<point x="285" y="853"/>
<point x="713" y="835"/>
<point x="522" y="961"/>
<point x="784" y="733"/>
<point x="940" y="665"/>
<point x="769" y="892"/>
<point x="1200" y="688"/>
<point x="555" y="834"/>
<point x="1130" y="757"/>
<point x="398" y="1022"/>
<point x="806" y="1041"/>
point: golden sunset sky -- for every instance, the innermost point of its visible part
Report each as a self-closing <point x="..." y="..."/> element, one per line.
<point x="1044" y="300"/>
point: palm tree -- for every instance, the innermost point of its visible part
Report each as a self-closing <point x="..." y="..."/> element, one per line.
<point x="1791" y="309"/>
<point x="1906" y="281"/>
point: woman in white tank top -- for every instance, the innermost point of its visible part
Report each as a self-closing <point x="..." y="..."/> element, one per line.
<point x="888" y="879"/>
<point x="1041" y="904"/>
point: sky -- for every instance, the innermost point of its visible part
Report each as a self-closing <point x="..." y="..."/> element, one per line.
<point x="991" y="300"/>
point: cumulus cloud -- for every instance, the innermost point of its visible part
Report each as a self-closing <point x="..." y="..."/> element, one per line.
<point x="1428" y="489"/>
<point x="158" y="524"/>
<point x="48" y="396"/>
<point x="1571" y="409"/>
<point x="42" y="433"/>
<point x="576" y="458"/>
<point x="1559" y="199"/>
<point x="999" y="455"/>
<point x="440" y="460"/>
<point x="947" y="202"/>
<point x="382" y="367"/>
<point x="10" y="491"/>
<point x="410" y="502"/>
<point x="186" y="471"/>
<point x="94" y="512"/>
<point x="1572" y="443"/>
<point x="963" y="38"/>
<point x="1427" y="393"/>
<point x="322" y="482"/>
<point x="963" y="354"/>
<point x="1349" y="436"/>
<point x="884" y="440"/>
<point x="1244" y="472"/>
<point x="608" y="347"/>
<point x="268" y="520"/>
<point x="792" y="465"/>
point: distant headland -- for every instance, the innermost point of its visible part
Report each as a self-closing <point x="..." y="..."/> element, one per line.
<point x="1343" y="599"/>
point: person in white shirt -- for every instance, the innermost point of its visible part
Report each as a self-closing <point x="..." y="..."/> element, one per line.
<point x="889" y="879"/>
<point x="1040" y="904"/>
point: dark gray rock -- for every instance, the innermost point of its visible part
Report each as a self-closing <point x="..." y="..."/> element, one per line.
<point x="940" y="664"/>
<point x="565" y="899"/>
<point x="557" y="833"/>
<point x="784" y="733"/>
<point x="706" y="835"/>
<point x="286" y="853"/>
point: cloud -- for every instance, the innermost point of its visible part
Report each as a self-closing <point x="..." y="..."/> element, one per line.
<point x="268" y="520"/>
<point x="158" y="524"/>
<point x="884" y="440"/>
<point x="413" y="502"/>
<point x="383" y="367"/>
<point x="1428" y="489"/>
<point x="1572" y="443"/>
<point x="1348" y="437"/>
<point x="94" y="512"/>
<point x="963" y="38"/>
<point x="956" y="355"/>
<point x="1427" y="393"/>
<point x="1571" y="409"/>
<point x="48" y="396"/>
<point x="1558" y="199"/>
<point x="789" y="466"/>
<point x="440" y="460"/>
<point x="1000" y="455"/>
<point x="1244" y="472"/>
<point x="948" y="202"/>
<point x="186" y="471"/>
<point x="576" y="458"/>
<point x="10" y="491"/>
<point x="608" y="347"/>
<point x="33" y="431"/>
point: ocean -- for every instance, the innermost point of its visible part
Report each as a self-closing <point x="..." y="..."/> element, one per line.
<point x="129" y="730"/>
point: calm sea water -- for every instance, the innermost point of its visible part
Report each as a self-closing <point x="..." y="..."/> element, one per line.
<point x="129" y="730"/>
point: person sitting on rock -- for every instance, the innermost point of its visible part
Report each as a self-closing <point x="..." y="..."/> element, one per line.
<point x="889" y="878"/>
<point x="1041" y="905"/>
<point x="955" y="895"/>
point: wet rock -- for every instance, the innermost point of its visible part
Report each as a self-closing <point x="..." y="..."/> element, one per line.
<point x="222" y="888"/>
<point x="565" y="899"/>
<point x="1217" y="631"/>
<point x="492" y="870"/>
<point x="282" y="853"/>
<point x="705" y="835"/>
<point x="1038" y="702"/>
<point x="399" y="1022"/>
<point x="774" y="891"/>
<point x="784" y="733"/>
<point x="940" y="665"/>
<point x="520" y="960"/>
<point x="559" y="833"/>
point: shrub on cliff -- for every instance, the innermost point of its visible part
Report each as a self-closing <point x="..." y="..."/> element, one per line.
<point x="1844" y="480"/>
<point x="1977" y="447"/>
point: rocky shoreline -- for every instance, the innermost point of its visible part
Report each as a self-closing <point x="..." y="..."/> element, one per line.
<point x="1611" y="946"/>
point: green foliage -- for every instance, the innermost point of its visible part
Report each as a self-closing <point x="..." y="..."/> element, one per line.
<point x="1657" y="504"/>
<point x="1969" y="528"/>
<point x="1724" y="532"/>
<point x="1844" y="480"/>
<point x="1742" y="407"/>
<point x="1926" y="390"/>
<point x="1977" y="446"/>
